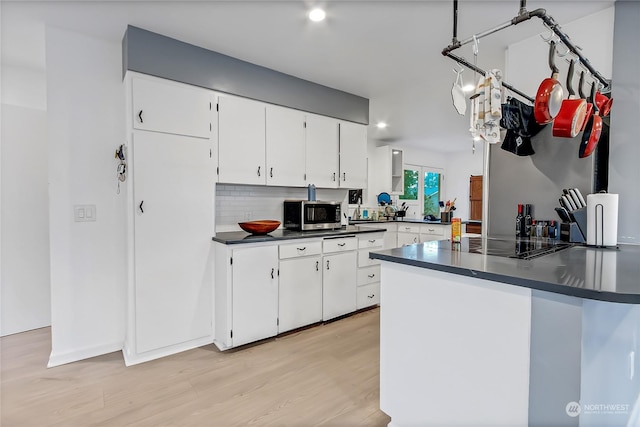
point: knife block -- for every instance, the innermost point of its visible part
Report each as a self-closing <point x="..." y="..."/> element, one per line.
<point x="579" y="217"/>
<point x="570" y="232"/>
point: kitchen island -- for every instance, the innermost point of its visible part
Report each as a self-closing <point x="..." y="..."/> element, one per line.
<point x="472" y="338"/>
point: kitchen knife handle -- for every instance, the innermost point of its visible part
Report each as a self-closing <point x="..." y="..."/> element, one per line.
<point x="584" y="203"/>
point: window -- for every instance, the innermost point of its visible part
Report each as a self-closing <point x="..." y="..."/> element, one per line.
<point x="423" y="189"/>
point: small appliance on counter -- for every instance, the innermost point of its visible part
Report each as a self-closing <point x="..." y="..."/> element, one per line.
<point x="602" y="219"/>
<point x="304" y="215"/>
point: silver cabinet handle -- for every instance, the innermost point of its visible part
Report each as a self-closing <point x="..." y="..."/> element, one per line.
<point x="431" y="229"/>
<point x="371" y="276"/>
<point x="258" y="170"/>
<point x="341" y="244"/>
<point x="372" y="241"/>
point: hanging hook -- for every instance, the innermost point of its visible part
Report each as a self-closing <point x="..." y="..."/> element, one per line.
<point x="476" y="41"/>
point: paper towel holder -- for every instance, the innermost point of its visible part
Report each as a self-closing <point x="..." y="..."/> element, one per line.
<point x="598" y="227"/>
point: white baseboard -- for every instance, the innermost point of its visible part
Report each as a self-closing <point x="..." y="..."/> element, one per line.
<point x="131" y="358"/>
<point x="57" y="359"/>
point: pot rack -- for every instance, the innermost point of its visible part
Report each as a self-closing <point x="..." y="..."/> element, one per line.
<point x="523" y="15"/>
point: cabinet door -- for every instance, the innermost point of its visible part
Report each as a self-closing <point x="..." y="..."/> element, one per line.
<point x="173" y="197"/>
<point x="285" y="147"/>
<point x="254" y="294"/>
<point x="322" y="151"/>
<point x="353" y="155"/>
<point x="339" y="285"/>
<point x="170" y="107"/>
<point x="405" y="239"/>
<point x="241" y="141"/>
<point x="300" y="296"/>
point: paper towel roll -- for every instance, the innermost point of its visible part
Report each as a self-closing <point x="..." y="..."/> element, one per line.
<point x="602" y="219"/>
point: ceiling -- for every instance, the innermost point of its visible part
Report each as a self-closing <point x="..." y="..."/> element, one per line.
<point x="387" y="51"/>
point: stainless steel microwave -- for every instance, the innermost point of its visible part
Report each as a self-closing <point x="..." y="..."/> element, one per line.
<point x="305" y="215"/>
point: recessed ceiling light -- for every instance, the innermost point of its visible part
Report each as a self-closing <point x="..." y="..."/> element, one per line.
<point x="381" y="125"/>
<point x="317" y="15"/>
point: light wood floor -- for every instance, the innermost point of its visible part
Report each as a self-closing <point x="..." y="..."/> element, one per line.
<point x="326" y="375"/>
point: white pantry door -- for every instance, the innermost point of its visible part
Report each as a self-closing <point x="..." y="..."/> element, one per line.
<point x="173" y="184"/>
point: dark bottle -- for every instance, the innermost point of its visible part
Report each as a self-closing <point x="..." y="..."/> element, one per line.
<point x="519" y="221"/>
<point x="527" y="220"/>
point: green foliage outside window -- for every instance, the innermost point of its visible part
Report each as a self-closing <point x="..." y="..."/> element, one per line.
<point x="411" y="183"/>
<point x="432" y="194"/>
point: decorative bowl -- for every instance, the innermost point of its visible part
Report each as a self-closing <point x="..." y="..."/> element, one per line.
<point x="262" y="226"/>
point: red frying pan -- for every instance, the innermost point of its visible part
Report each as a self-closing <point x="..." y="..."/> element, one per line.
<point x="571" y="116"/>
<point x="592" y="130"/>
<point x="589" y="104"/>
<point x="604" y="103"/>
<point x="549" y="97"/>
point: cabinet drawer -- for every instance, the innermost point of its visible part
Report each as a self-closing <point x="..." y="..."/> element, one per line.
<point x="432" y="230"/>
<point x="293" y="250"/>
<point x="373" y="240"/>
<point x="363" y="257"/>
<point x="368" y="295"/>
<point x="340" y="244"/>
<point x="368" y="275"/>
<point x="409" y="228"/>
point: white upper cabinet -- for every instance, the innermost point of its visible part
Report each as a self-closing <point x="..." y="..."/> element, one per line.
<point x="353" y="155"/>
<point x="169" y="107"/>
<point x="285" y="147"/>
<point x="322" y="151"/>
<point x="241" y="141"/>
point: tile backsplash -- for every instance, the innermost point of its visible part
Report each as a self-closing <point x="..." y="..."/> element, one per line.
<point x="238" y="203"/>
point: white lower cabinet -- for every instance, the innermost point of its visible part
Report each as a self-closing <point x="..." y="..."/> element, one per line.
<point x="339" y="276"/>
<point x="368" y="282"/>
<point x="246" y="294"/>
<point x="300" y="291"/>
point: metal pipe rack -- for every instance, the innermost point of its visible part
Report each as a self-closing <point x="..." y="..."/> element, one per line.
<point x="523" y="15"/>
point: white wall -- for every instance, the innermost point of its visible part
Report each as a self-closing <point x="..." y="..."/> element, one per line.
<point x="25" y="292"/>
<point x="457" y="168"/>
<point x="26" y="300"/>
<point x="85" y="102"/>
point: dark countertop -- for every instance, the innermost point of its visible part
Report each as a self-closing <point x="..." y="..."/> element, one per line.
<point x="398" y="221"/>
<point x="600" y="274"/>
<point x="237" y="237"/>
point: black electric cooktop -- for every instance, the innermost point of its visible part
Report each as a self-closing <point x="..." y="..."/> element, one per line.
<point x="517" y="248"/>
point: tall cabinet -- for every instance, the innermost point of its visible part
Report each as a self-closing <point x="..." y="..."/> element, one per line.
<point x="170" y="188"/>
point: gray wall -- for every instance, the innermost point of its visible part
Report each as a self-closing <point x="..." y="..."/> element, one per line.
<point x="537" y="179"/>
<point x="161" y="56"/>
<point x="624" y="167"/>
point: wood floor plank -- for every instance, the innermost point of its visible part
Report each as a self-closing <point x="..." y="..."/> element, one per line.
<point x="327" y="375"/>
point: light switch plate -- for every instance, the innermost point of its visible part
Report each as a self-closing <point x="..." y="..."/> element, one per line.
<point x="84" y="213"/>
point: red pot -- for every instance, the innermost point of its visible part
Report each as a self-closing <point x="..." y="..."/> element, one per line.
<point x="592" y="130"/>
<point x="570" y="120"/>
<point x="549" y="96"/>
<point x="604" y="103"/>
